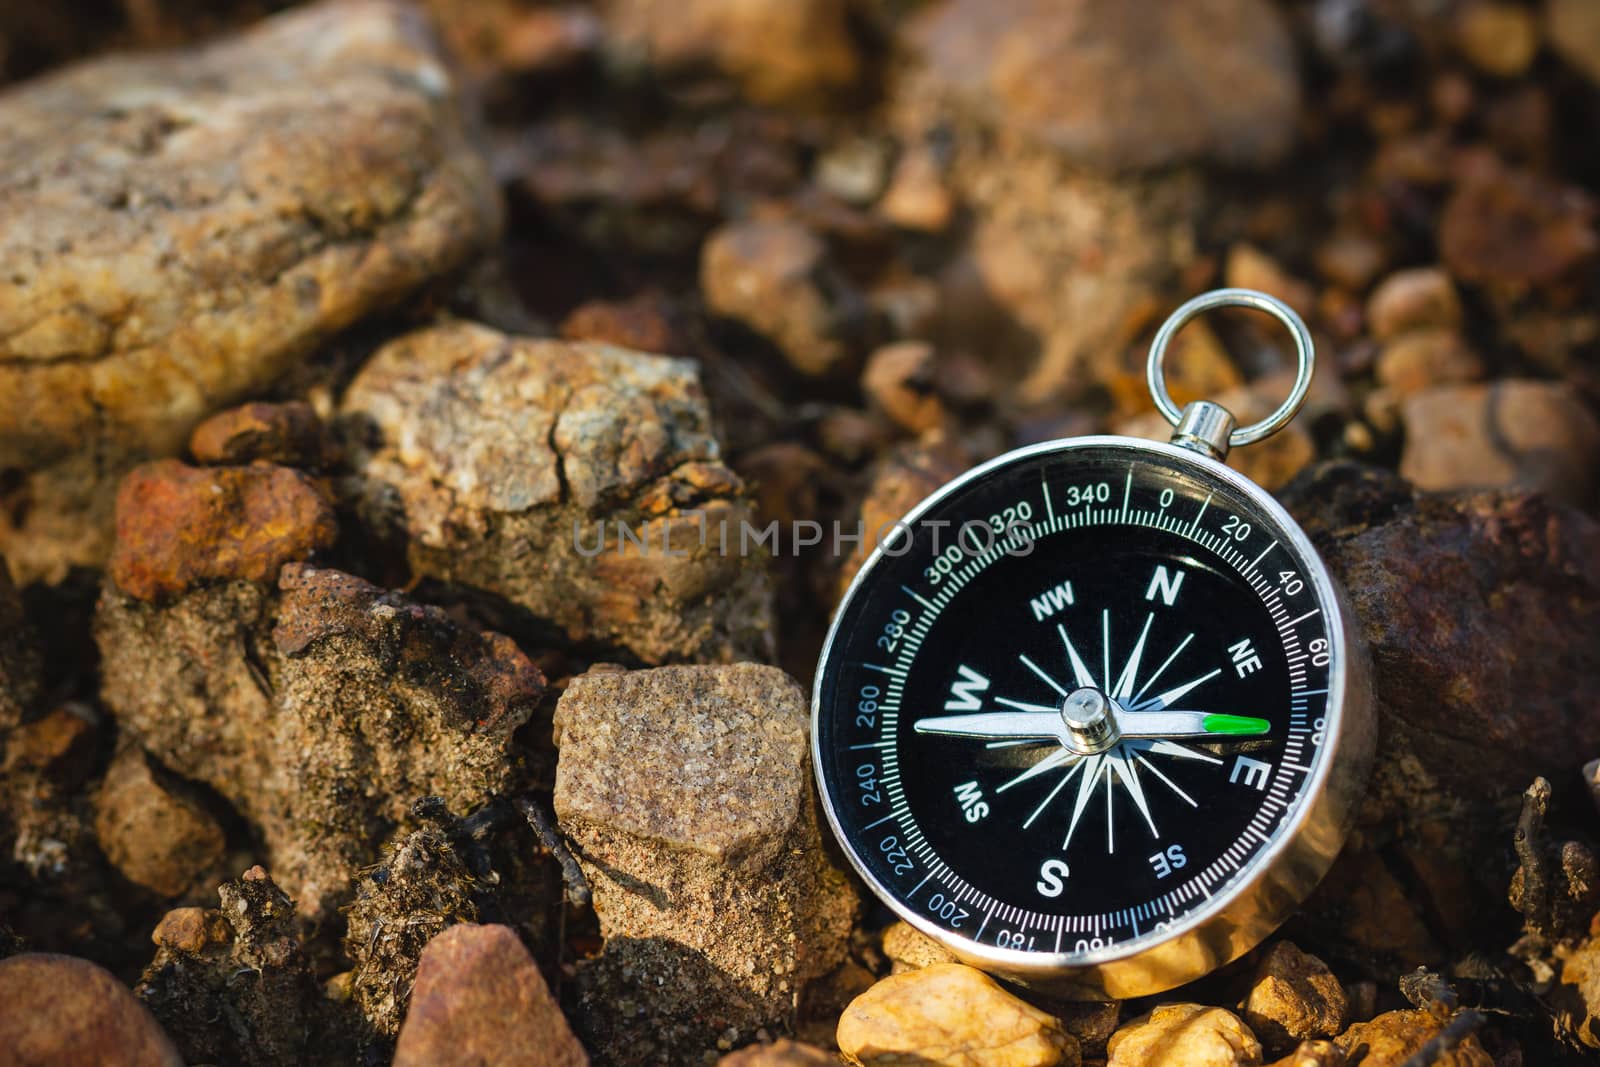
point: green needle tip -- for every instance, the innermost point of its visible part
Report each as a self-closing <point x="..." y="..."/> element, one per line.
<point x="1239" y="725"/>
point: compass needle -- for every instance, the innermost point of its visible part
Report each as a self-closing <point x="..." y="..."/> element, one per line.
<point x="1070" y="642"/>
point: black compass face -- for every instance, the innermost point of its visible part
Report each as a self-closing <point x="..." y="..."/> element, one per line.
<point x="1075" y="701"/>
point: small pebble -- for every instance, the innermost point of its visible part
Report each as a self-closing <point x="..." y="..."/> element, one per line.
<point x="1417" y="298"/>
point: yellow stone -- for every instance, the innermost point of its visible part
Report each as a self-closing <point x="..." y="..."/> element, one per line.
<point x="1184" y="1035"/>
<point x="951" y="1015"/>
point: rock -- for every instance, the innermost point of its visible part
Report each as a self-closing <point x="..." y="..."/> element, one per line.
<point x="781" y="1053"/>
<point x="1512" y="231"/>
<point x="1248" y="267"/>
<point x="1062" y="269"/>
<point x="1419" y="359"/>
<point x="1313" y="1054"/>
<point x="1573" y="27"/>
<point x="1393" y="1037"/>
<point x="1115" y="86"/>
<point x="899" y="380"/>
<point x="193" y="985"/>
<point x="45" y="826"/>
<point x="687" y="792"/>
<point x="1577" y="996"/>
<point x="773" y="277"/>
<point x="854" y="169"/>
<point x="289" y="434"/>
<point x="1511" y="433"/>
<point x="1293" y="997"/>
<point x="155" y="834"/>
<point x="1413" y="299"/>
<point x="917" y="197"/>
<point x="904" y="476"/>
<point x="19" y="657"/>
<point x="1184" y="1035"/>
<point x="514" y="465"/>
<point x="644" y="324"/>
<point x="1351" y="258"/>
<point x="66" y="1012"/>
<point x="1498" y="38"/>
<point x="178" y="526"/>
<point x="796" y="55"/>
<point x="60" y="745"/>
<point x="911" y="949"/>
<point x="1446" y="590"/>
<point x="951" y="1015"/>
<point x="480" y="999"/>
<point x="421" y="889"/>
<point x="320" y="709"/>
<point x="194" y="224"/>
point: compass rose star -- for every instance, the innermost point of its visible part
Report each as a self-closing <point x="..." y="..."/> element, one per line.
<point x="1105" y="730"/>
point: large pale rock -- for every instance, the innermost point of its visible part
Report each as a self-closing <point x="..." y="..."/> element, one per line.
<point x="480" y="999"/>
<point x="509" y="464"/>
<point x="66" y="1012"/>
<point x="1115" y="85"/>
<point x="951" y="1015"/>
<point x="687" y="791"/>
<point x="1184" y="1035"/>
<point x="185" y="227"/>
<point x="320" y="706"/>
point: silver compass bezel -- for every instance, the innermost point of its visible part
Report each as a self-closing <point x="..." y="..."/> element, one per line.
<point x="1280" y="875"/>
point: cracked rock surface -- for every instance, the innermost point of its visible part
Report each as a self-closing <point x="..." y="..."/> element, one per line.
<point x="509" y="463"/>
<point x="185" y="227"/>
<point x="686" y="791"/>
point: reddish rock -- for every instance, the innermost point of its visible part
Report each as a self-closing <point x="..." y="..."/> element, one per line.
<point x="60" y="1011"/>
<point x="480" y="999"/>
<point x="1514" y="230"/>
<point x="289" y="433"/>
<point x="178" y="526"/>
<point x="644" y="324"/>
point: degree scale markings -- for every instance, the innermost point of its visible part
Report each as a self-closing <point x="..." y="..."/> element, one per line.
<point x="1274" y="807"/>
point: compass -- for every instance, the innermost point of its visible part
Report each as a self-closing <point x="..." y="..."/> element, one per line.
<point x="1093" y="714"/>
